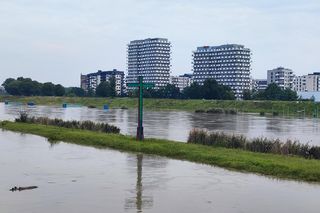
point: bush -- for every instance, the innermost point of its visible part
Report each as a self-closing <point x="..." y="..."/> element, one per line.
<point x="85" y="125"/>
<point x="215" y="110"/>
<point x="23" y="117"/>
<point x="263" y="145"/>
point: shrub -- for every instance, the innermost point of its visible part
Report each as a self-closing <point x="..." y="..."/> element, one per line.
<point x="275" y="113"/>
<point x="23" y="117"/>
<point x="230" y="111"/>
<point x="263" y="145"/>
<point x="215" y="110"/>
<point x="85" y="125"/>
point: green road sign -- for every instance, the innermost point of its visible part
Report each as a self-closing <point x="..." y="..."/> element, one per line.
<point x="140" y="86"/>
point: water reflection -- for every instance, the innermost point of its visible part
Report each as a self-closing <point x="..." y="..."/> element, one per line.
<point x="139" y="202"/>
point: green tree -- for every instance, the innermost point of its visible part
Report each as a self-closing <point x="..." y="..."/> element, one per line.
<point x="112" y="84"/>
<point x="103" y="89"/>
<point x="193" y="92"/>
<point x="90" y="93"/>
<point x="171" y="91"/>
<point x="247" y="94"/>
<point x="13" y="87"/>
<point x="7" y="82"/>
<point x="273" y="92"/>
<point x="59" y="90"/>
<point x="74" y="91"/>
<point x="289" y="95"/>
<point x="107" y="88"/>
<point x="47" y="89"/>
<point x="209" y="90"/>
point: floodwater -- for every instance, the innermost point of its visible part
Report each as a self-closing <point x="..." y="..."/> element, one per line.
<point x="175" y="125"/>
<point x="80" y="179"/>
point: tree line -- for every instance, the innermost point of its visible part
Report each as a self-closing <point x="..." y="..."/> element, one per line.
<point x="210" y="89"/>
<point x="29" y="87"/>
<point x="272" y="92"/>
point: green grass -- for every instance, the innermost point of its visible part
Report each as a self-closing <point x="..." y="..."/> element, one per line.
<point x="279" y="107"/>
<point x="278" y="166"/>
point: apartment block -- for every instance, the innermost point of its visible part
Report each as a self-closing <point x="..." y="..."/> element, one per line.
<point x="228" y="64"/>
<point x="92" y="80"/>
<point x="281" y="76"/>
<point x="307" y="83"/>
<point x="181" y="81"/>
<point x="149" y="58"/>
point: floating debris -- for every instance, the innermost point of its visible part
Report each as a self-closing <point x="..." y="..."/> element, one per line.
<point x="23" y="188"/>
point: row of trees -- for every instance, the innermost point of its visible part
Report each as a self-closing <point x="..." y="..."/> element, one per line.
<point x="29" y="87"/>
<point x="209" y="90"/>
<point x="272" y="92"/>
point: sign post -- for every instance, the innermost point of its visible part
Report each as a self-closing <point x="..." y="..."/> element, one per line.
<point x="140" y="85"/>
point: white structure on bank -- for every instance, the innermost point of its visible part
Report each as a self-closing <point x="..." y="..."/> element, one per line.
<point x="307" y="83"/>
<point x="281" y="76"/>
<point x="181" y="81"/>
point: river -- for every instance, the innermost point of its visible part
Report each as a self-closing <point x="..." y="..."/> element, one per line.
<point x="175" y="125"/>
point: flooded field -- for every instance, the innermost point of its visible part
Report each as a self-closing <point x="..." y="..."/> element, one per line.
<point x="74" y="178"/>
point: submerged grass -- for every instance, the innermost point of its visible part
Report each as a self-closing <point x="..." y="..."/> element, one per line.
<point x="279" y="166"/>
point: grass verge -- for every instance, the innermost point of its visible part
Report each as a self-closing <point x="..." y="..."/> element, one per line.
<point x="286" y="167"/>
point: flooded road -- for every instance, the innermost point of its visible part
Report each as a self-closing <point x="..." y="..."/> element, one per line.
<point x="175" y="125"/>
<point x="74" y="178"/>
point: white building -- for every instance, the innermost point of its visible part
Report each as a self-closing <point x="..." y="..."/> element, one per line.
<point x="149" y="58"/>
<point x="307" y="83"/>
<point x="227" y="64"/>
<point x="181" y="81"/>
<point x="283" y="77"/>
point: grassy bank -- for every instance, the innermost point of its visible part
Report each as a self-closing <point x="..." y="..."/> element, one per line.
<point x="280" y="107"/>
<point x="287" y="167"/>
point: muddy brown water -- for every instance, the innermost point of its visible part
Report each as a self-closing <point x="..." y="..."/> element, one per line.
<point x="72" y="178"/>
<point x="175" y="125"/>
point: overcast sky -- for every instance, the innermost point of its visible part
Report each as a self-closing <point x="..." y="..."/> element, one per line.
<point x="56" y="40"/>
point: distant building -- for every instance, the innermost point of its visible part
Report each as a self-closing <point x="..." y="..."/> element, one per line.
<point x="281" y="76"/>
<point x="260" y="84"/>
<point x="181" y="81"/>
<point x="228" y="64"/>
<point x="92" y="80"/>
<point x="149" y="58"/>
<point x="307" y="83"/>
